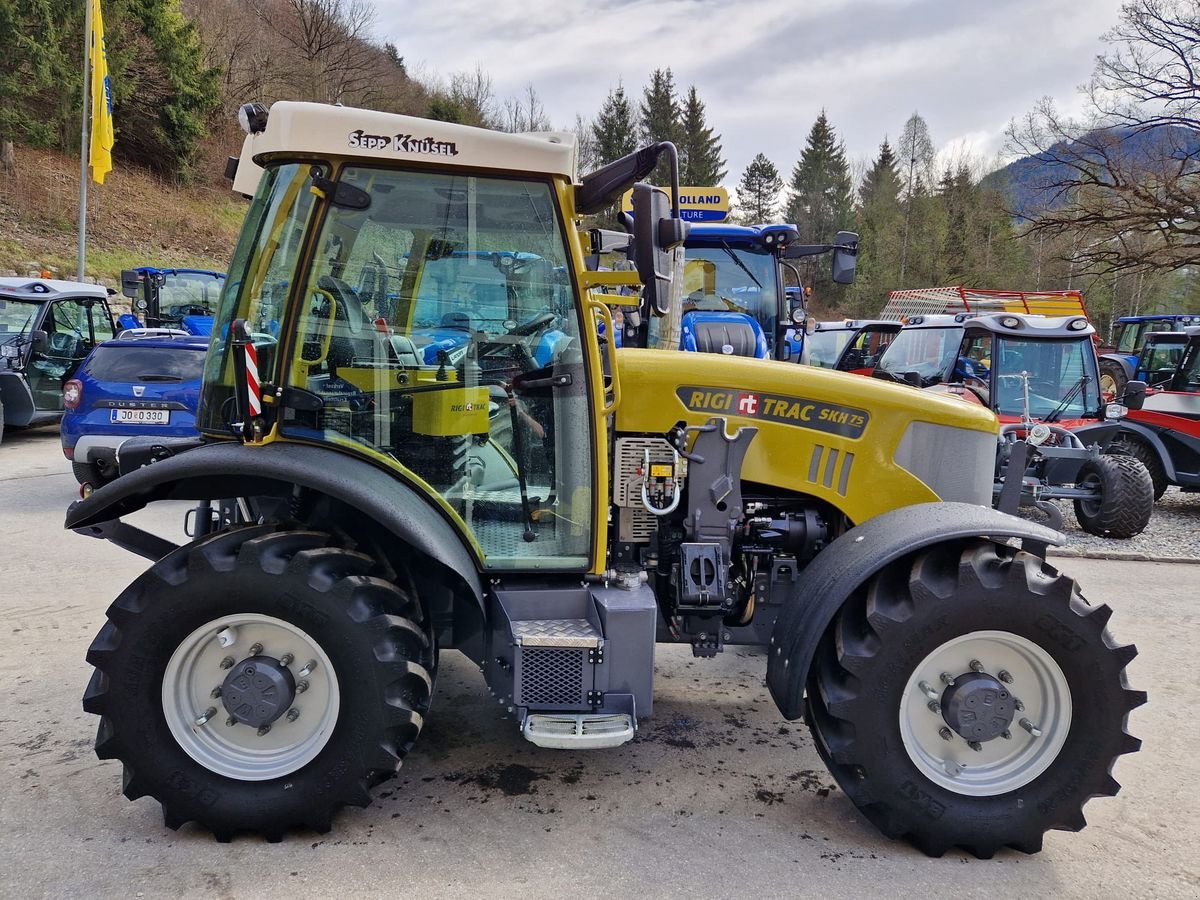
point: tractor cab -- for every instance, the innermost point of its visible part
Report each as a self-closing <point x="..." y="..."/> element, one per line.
<point x="182" y="299"/>
<point x="849" y="345"/>
<point x="47" y="328"/>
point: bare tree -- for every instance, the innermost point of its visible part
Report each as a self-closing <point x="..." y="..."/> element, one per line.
<point x="916" y="155"/>
<point x="1124" y="181"/>
<point x="525" y="113"/>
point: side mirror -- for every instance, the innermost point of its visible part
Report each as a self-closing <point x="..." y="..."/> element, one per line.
<point x="1135" y="395"/>
<point x="41" y="341"/>
<point x="845" y="257"/>
<point x="655" y="234"/>
<point x="131" y="283"/>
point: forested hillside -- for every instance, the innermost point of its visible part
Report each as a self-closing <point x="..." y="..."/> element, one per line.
<point x="927" y="216"/>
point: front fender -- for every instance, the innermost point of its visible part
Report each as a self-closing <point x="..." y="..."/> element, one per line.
<point x="846" y="564"/>
<point x="1100" y="434"/>
<point x="16" y="398"/>
<point x="227" y="469"/>
<point x="1151" y="437"/>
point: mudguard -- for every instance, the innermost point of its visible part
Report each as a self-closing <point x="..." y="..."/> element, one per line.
<point x="228" y="469"/>
<point x="1100" y="433"/>
<point x="855" y="556"/>
<point x="1151" y="437"/>
<point x="18" y="402"/>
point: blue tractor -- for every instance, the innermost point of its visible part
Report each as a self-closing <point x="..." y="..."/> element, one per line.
<point x="734" y="297"/>
<point x="1118" y="362"/>
<point x="179" y="299"/>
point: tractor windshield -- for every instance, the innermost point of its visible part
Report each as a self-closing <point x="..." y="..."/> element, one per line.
<point x="16" y="316"/>
<point x="1062" y="376"/>
<point x="433" y="320"/>
<point x="734" y="279"/>
<point x="927" y="354"/>
<point x="822" y="348"/>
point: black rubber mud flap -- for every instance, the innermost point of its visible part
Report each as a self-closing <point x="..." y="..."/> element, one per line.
<point x="853" y="558"/>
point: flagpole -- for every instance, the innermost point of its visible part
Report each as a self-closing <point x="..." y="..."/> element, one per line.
<point x="83" y="140"/>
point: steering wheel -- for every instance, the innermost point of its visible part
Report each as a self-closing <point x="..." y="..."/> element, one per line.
<point x="533" y="325"/>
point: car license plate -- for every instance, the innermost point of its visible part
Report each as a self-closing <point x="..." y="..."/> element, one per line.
<point x="141" y="416"/>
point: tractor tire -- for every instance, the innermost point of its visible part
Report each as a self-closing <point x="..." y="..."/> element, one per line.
<point x="993" y="620"/>
<point x="1147" y="455"/>
<point x="346" y="707"/>
<point x="1124" y="498"/>
<point x="1112" y="378"/>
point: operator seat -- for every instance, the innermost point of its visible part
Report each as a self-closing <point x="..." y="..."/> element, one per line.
<point x="353" y="337"/>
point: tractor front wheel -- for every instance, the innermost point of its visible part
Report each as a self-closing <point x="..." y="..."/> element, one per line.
<point x="260" y="680"/>
<point x="971" y="697"/>
<point x="1112" y="378"/>
<point x="1122" y="496"/>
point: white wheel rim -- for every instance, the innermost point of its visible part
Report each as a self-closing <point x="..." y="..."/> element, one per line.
<point x="237" y="751"/>
<point x="1000" y="765"/>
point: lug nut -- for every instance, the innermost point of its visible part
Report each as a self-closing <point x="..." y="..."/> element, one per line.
<point x="975" y="665"/>
<point x="945" y="733"/>
<point x="286" y="659"/>
<point x="227" y="662"/>
<point x="308" y="668"/>
<point x="293" y="714"/>
<point x="975" y="745"/>
<point x="263" y="730"/>
<point x="231" y="721"/>
<point x="1005" y="677"/>
<point x="947" y="678"/>
<point x="1006" y="734"/>
<point x="255" y="649"/>
<point x="216" y="692"/>
<point x="1030" y="727"/>
<point x="933" y="706"/>
<point x="1018" y="704"/>
<point x="301" y="687"/>
<point x="206" y="715"/>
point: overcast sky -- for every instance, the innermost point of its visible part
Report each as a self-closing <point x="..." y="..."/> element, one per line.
<point x="765" y="68"/>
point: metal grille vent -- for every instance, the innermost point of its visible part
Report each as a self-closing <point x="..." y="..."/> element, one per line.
<point x="552" y="676"/>
<point x="629" y="455"/>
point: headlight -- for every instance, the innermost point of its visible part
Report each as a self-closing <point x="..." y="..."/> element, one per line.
<point x="1115" y="411"/>
<point x="10" y="351"/>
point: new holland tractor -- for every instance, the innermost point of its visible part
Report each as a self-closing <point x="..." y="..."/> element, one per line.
<point x="359" y="512"/>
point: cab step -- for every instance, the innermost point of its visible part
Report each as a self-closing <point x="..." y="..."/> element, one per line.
<point x="582" y="731"/>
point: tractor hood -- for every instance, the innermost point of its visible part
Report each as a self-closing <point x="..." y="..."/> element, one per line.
<point x="866" y="446"/>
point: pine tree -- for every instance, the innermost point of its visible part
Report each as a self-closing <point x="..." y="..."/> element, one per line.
<point x="822" y="199"/>
<point x="658" y="118"/>
<point x="700" y="161"/>
<point x="879" y="221"/>
<point x="615" y="133"/>
<point x="882" y="181"/>
<point x="758" y="191"/>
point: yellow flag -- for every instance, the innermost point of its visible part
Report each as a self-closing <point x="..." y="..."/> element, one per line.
<point x="100" y="158"/>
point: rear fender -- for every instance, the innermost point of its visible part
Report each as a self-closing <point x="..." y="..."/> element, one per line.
<point x="1150" y="437"/>
<point x="850" y="561"/>
<point x="18" y="403"/>
<point x="377" y="503"/>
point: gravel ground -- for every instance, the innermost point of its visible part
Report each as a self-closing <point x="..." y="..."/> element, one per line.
<point x="1173" y="532"/>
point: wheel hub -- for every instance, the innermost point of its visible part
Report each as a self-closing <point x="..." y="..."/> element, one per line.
<point x="978" y="707"/>
<point x="258" y="690"/>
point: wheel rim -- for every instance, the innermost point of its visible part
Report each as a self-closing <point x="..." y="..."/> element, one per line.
<point x="1001" y="764"/>
<point x="1091" y="505"/>
<point x="1108" y="384"/>
<point x="201" y="663"/>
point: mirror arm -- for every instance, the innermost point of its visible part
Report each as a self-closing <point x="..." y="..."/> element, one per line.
<point x="602" y="187"/>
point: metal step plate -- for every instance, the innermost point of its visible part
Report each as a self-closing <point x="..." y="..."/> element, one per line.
<point x="555" y="633"/>
<point x="578" y="732"/>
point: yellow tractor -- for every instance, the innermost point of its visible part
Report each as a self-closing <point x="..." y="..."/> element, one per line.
<point x="414" y="441"/>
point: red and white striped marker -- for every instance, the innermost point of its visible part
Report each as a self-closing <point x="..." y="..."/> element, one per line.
<point x="253" y="391"/>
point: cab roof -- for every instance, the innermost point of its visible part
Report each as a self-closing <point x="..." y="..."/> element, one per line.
<point x="714" y="233"/>
<point x="1015" y="324"/>
<point x="321" y="130"/>
<point x="48" y="289"/>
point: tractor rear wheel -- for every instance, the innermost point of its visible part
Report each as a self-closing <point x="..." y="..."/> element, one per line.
<point x="1122" y="498"/>
<point x="259" y="680"/>
<point x="969" y="696"/>
<point x="1147" y="455"/>
<point x="1112" y="378"/>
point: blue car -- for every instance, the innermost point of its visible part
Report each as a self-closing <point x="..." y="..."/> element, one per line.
<point x="142" y="386"/>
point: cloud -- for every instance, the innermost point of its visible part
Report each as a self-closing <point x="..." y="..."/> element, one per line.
<point x="765" y="69"/>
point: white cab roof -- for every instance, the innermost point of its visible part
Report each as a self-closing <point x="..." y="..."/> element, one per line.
<point x="342" y="131"/>
<point x="48" y="289"/>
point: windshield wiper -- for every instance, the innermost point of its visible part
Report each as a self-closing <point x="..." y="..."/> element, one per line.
<point x="741" y="265"/>
<point x="1067" y="399"/>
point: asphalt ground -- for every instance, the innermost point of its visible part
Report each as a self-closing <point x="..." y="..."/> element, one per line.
<point x="716" y="797"/>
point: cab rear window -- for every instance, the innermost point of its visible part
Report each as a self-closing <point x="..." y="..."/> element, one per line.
<point x="130" y="364"/>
